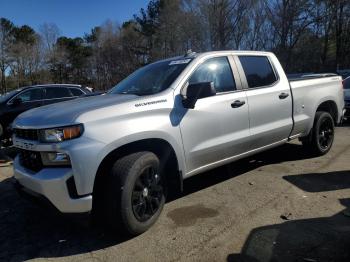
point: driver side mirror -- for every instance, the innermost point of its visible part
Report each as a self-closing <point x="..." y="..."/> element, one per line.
<point x="193" y="92"/>
<point x="17" y="101"/>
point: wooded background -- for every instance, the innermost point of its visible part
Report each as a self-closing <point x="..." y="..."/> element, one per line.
<point x="306" y="35"/>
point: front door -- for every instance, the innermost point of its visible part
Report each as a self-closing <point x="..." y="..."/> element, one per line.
<point x="27" y="99"/>
<point x="218" y="127"/>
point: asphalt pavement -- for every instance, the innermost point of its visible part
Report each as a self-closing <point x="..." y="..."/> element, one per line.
<point x="280" y="205"/>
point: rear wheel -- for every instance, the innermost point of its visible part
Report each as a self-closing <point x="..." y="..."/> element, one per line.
<point x="1" y="131"/>
<point x="320" y="139"/>
<point x="135" y="193"/>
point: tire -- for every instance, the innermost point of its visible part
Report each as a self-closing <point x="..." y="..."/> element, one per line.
<point x="321" y="137"/>
<point x="1" y="131"/>
<point x="135" y="193"/>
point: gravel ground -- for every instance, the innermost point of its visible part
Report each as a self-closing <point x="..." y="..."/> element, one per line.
<point x="280" y="205"/>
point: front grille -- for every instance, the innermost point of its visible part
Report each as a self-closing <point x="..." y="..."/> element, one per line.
<point x="30" y="160"/>
<point x="28" y="134"/>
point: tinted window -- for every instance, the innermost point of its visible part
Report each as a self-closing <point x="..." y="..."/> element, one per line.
<point x="76" y="92"/>
<point x="258" y="71"/>
<point x="30" y="95"/>
<point x="56" y="92"/>
<point x="215" y="70"/>
<point x="8" y="95"/>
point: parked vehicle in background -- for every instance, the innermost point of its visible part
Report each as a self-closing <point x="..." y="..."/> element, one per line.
<point x="346" y="86"/>
<point x="17" y="101"/>
<point x="118" y="154"/>
<point x="344" y="73"/>
<point x="95" y="93"/>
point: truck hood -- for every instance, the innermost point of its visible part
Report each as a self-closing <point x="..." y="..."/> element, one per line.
<point x="65" y="113"/>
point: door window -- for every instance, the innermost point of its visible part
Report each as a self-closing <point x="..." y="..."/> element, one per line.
<point x="56" y="92"/>
<point x="215" y="70"/>
<point x="30" y="95"/>
<point x="258" y="71"/>
<point x="76" y="92"/>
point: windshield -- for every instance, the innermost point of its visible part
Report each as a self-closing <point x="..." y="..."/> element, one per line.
<point x="151" y="79"/>
<point x="6" y="96"/>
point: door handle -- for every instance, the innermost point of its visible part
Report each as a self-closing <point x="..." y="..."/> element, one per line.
<point x="237" y="103"/>
<point x="283" y="95"/>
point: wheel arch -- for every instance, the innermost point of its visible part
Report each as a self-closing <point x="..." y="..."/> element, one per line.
<point x="330" y="107"/>
<point x="160" y="147"/>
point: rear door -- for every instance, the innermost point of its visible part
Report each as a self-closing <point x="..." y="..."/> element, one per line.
<point x="216" y="128"/>
<point x="269" y="99"/>
<point x="57" y="94"/>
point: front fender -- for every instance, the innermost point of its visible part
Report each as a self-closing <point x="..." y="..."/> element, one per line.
<point x="142" y="136"/>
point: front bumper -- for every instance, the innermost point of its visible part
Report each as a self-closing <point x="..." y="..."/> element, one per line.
<point x="51" y="183"/>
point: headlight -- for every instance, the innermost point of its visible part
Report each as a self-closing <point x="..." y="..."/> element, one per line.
<point x="61" y="133"/>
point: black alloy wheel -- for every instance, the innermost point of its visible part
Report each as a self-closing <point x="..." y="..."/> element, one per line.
<point x="147" y="194"/>
<point x="326" y="133"/>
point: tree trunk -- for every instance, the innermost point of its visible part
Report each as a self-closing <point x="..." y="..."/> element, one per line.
<point x="3" y="80"/>
<point x="339" y="30"/>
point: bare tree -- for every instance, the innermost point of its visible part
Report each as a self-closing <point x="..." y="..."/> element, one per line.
<point x="325" y="20"/>
<point x="171" y="38"/>
<point x="342" y="27"/>
<point x="217" y="14"/>
<point x="258" y="35"/>
<point x="226" y="21"/>
<point x="240" y="21"/>
<point x="289" y="20"/>
<point x="6" y="38"/>
<point x="49" y="33"/>
<point x="106" y="60"/>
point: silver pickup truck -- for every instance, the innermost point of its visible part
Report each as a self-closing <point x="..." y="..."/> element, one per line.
<point x="118" y="154"/>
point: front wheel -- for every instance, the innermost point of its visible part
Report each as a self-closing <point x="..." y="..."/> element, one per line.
<point x="136" y="194"/>
<point x="321" y="137"/>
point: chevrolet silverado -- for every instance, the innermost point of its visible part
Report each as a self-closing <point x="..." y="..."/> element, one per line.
<point x="118" y="154"/>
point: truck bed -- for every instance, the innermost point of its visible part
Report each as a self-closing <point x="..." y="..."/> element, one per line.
<point x="303" y="76"/>
<point x="311" y="89"/>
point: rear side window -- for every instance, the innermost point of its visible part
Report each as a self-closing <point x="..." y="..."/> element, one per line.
<point x="56" y="92"/>
<point x="215" y="70"/>
<point x="258" y="71"/>
<point x="76" y="92"/>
